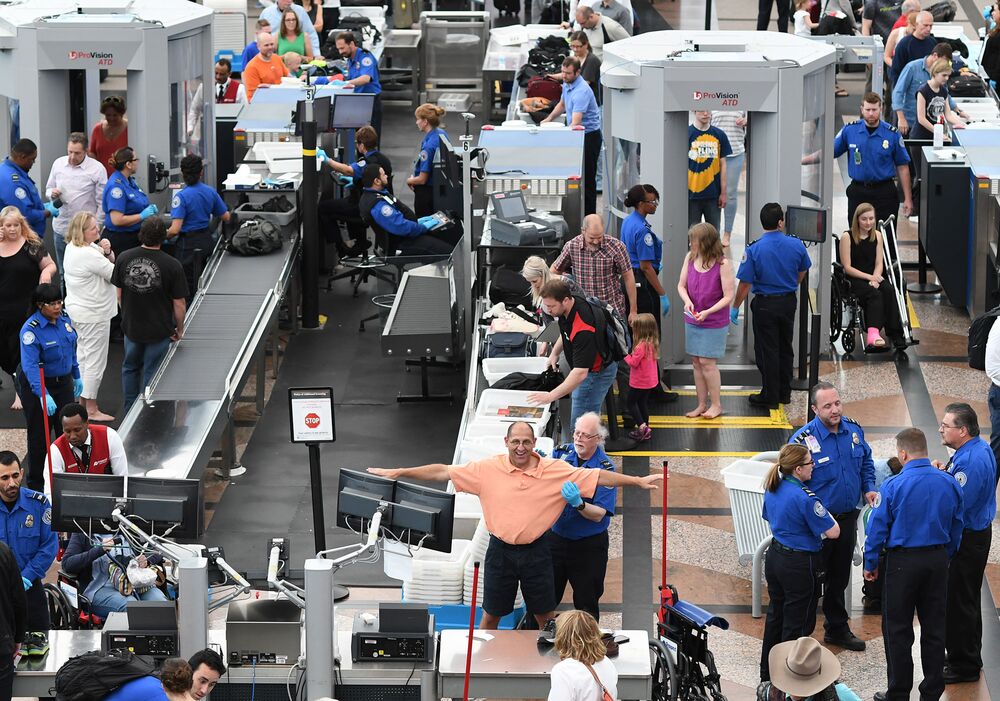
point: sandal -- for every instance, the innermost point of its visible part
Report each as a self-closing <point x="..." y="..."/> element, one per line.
<point x="840" y="92"/>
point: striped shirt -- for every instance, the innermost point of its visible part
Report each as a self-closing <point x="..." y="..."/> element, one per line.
<point x="726" y="121"/>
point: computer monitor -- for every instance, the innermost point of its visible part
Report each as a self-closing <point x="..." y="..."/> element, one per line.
<point x="807" y="224"/>
<point x="352" y="111"/>
<point x="81" y="501"/>
<point x="424" y="511"/>
<point x="322" y="109"/>
<point x="509" y="206"/>
<point x="358" y="497"/>
<point x="171" y="507"/>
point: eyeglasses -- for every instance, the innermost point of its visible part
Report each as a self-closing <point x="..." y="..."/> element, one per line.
<point x="576" y="46"/>
<point x="944" y="425"/>
<point x="653" y="202"/>
<point x="133" y="160"/>
<point x="589" y="436"/>
<point x="55" y="303"/>
<point x="517" y="442"/>
<point x="807" y="464"/>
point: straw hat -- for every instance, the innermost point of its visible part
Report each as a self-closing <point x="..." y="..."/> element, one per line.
<point x="802" y="667"/>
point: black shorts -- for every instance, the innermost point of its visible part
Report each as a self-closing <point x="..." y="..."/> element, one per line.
<point x="509" y="565"/>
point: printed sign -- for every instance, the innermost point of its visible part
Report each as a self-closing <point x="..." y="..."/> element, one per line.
<point x="311" y="414"/>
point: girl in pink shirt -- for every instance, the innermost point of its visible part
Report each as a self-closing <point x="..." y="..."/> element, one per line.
<point x="642" y="377"/>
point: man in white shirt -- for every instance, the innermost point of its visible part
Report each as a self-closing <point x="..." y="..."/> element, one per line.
<point x="78" y="181"/>
<point x="600" y="30"/>
<point x="993" y="398"/>
<point x="84" y="448"/>
<point x="273" y="16"/>
<point x="619" y="10"/>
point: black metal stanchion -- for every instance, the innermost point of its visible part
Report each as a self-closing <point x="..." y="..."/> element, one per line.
<point x="922" y="286"/>
<point x="813" y="357"/>
<point x="801" y="382"/>
<point x="310" y="224"/>
<point x="708" y="15"/>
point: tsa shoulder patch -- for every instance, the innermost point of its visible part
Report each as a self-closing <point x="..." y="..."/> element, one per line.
<point x="366" y="61"/>
<point x="648" y="239"/>
<point x="47" y="517"/>
<point x="20" y="193"/>
<point x="27" y="338"/>
<point x="176" y="201"/>
<point x="819" y="509"/>
<point x="386" y="210"/>
<point x="117" y="193"/>
<point x="961" y="478"/>
<point x="423" y="155"/>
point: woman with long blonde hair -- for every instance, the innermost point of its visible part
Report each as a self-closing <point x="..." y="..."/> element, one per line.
<point x="584" y="672"/>
<point x="24" y="264"/>
<point x="799" y="522"/>
<point x="91" y="301"/>
<point x="428" y="118"/>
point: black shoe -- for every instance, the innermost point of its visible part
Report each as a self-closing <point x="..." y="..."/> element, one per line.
<point x="881" y="695"/>
<point x="760" y="400"/>
<point x="547" y="635"/>
<point x="787" y="399"/>
<point x="952" y="676"/>
<point x="665" y="397"/>
<point x="846" y="640"/>
<point x="871" y="606"/>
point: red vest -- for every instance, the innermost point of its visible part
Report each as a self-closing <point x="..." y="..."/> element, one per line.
<point x="229" y="96"/>
<point x="100" y="456"/>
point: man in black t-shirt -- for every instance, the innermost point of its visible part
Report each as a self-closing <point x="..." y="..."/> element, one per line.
<point x="151" y="291"/>
<point x="581" y="336"/>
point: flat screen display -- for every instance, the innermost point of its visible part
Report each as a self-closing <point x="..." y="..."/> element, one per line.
<point x="352" y="111"/>
<point x="510" y="206"/>
<point x="806" y="224"/>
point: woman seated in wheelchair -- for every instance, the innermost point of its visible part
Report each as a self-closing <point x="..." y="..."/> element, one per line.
<point x="862" y="254"/>
<point x="110" y="572"/>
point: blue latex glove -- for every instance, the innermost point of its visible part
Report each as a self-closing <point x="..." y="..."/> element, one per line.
<point x="78" y="387"/>
<point x="50" y="405"/>
<point x="345" y="180"/>
<point x="571" y="493"/>
<point x="321" y="155"/>
<point x="429" y="222"/>
<point x="26" y="582"/>
<point x="664" y="305"/>
<point x="51" y="209"/>
<point x="149" y="211"/>
<point x="734" y="315"/>
<point x="338" y="83"/>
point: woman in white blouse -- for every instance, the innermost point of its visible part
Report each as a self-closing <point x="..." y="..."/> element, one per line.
<point x="584" y="673"/>
<point x="91" y="301"/>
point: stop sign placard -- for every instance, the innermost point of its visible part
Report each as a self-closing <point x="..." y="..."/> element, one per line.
<point x="311" y="415"/>
<point x="312" y="420"/>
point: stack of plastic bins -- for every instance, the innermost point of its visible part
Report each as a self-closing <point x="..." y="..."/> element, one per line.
<point x="477" y="553"/>
<point x="507" y="405"/>
<point x="436" y="577"/>
<point x="745" y="481"/>
<point x="494" y="369"/>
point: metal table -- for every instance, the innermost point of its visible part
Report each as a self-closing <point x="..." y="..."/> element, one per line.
<point x="38" y="677"/>
<point x="510" y="664"/>
<point x="404" y="45"/>
<point x="503" y="60"/>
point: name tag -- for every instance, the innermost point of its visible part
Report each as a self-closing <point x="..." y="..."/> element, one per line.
<point x="823" y="460"/>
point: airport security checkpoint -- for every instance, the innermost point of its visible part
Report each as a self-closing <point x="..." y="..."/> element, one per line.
<point x="344" y="335"/>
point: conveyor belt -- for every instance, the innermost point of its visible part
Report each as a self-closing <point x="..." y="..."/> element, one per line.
<point x="423" y="308"/>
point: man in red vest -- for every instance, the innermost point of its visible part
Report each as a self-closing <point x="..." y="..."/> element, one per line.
<point x="227" y="89"/>
<point x="83" y="447"/>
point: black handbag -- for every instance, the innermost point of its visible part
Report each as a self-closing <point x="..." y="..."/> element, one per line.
<point x="507" y="344"/>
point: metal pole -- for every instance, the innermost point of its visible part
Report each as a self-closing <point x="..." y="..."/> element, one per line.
<point x="468" y="246"/>
<point x="800" y="382"/>
<point x="316" y="487"/>
<point x="192" y="605"/>
<point x="321" y="628"/>
<point x="922" y="286"/>
<point x="708" y="15"/>
<point x="472" y="628"/>
<point x="310" y="226"/>
<point x="814" y="357"/>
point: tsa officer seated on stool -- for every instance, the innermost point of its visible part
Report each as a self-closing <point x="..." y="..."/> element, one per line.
<point x="772" y="268"/>
<point x="361" y="74"/>
<point x="917" y="520"/>
<point x="799" y="522"/>
<point x="17" y="189"/>
<point x="645" y="250"/>
<point x="974" y="468"/>
<point x="384" y="213"/>
<point x="578" y="541"/>
<point x="125" y="205"/>
<point x="47" y="339"/>
<point x="875" y="155"/>
<point x="25" y="526"/>
<point x="192" y="209"/>
<point x="429" y="122"/>
<point x="844" y="472"/>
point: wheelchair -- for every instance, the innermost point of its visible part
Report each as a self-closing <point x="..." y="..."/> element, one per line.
<point x="684" y="668"/>
<point x="69" y="609"/>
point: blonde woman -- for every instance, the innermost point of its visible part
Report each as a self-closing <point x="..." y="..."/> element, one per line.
<point x="91" y="302"/>
<point x="536" y="271"/>
<point x="428" y="118"/>
<point x="24" y="264"/>
<point x="584" y="672"/>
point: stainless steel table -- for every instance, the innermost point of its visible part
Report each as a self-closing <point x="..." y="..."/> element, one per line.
<point x="502" y="60"/>
<point x="402" y="46"/>
<point x="38" y="677"/>
<point x="510" y="664"/>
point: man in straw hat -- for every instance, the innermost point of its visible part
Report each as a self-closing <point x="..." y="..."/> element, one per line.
<point x="804" y="669"/>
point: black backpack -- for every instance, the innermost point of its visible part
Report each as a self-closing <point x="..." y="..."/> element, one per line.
<point x="966" y="84"/>
<point x="616" y="336"/>
<point x="510" y="288"/>
<point x="979" y="333"/>
<point x="529" y="382"/>
<point x="255" y="238"/>
<point x="93" y="675"/>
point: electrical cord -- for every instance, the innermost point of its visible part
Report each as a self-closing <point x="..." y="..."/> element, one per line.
<point x="253" y="682"/>
<point x="288" y="681"/>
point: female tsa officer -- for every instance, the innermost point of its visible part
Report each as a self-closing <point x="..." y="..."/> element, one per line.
<point x="47" y="338"/>
<point x="645" y="249"/>
<point x="428" y="121"/>
<point x="125" y="204"/>
<point x="798" y="523"/>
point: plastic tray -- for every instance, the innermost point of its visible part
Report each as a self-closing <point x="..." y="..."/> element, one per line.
<point x="282" y="219"/>
<point x="495" y="369"/>
<point x="745" y="475"/>
<point x="479" y="427"/>
<point x="494" y="404"/>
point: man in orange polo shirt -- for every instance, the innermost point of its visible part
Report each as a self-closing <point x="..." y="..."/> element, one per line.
<point x="265" y="68"/>
<point x="521" y="495"/>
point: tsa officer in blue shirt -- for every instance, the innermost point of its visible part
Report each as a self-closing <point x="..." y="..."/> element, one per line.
<point x="17" y="189"/>
<point x="917" y="520"/>
<point x="844" y="472"/>
<point x="772" y="268"/>
<point x="799" y="522"/>
<point x="579" y="539"/>
<point x="192" y="210"/>
<point x="47" y="339"/>
<point x="875" y="155"/>
<point x="974" y="467"/>
<point x="125" y="205"/>
<point x="645" y="250"/>
<point x="362" y="73"/>
<point x="26" y="528"/>
<point x="428" y="118"/>
<point x="580" y="104"/>
<point x="386" y="215"/>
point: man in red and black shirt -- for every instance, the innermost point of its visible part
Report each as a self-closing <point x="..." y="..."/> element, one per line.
<point x="83" y="447"/>
<point x="581" y="336"/>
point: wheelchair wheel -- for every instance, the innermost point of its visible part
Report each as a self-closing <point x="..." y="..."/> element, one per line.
<point x="665" y="676"/>
<point x="61" y="614"/>
<point x="836" y="314"/>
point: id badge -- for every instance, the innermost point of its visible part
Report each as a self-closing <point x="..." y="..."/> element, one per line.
<point x="812" y="444"/>
<point x="857" y="157"/>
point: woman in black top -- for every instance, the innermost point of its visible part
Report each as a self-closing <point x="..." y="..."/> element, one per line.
<point x="590" y="65"/>
<point x="863" y="258"/>
<point x="933" y="103"/>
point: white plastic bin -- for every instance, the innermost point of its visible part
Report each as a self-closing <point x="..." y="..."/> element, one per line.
<point x="507" y="405"/>
<point x="279" y="219"/>
<point x="745" y="481"/>
<point x="493" y="427"/>
<point x="488" y="446"/>
<point x="495" y="369"/>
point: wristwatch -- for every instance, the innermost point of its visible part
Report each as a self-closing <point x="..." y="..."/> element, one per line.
<point x="581" y="507"/>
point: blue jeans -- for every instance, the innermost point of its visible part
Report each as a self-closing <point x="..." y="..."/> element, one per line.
<point x="140" y="363"/>
<point x="108" y="599"/>
<point x="589" y="395"/>
<point x="993" y="400"/>
<point x="734" y="166"/>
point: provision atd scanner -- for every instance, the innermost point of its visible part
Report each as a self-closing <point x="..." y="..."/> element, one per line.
<point x="55" y="56"/>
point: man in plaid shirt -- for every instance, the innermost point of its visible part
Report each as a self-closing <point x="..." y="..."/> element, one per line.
<point x="600" y="264"/>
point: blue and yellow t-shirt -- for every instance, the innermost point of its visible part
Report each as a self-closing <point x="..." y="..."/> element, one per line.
<point x="706" y="149"/>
